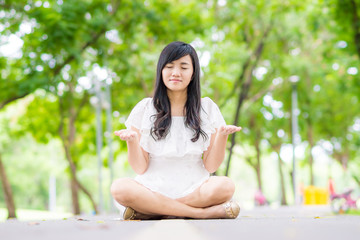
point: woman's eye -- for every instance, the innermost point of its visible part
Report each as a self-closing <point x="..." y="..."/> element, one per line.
<point x="184" y="68"/>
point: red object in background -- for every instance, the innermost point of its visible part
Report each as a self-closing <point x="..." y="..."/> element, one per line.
<point x="331" y="186"/>
<point x="342" y="202"/>
<point x="259" y="198"/>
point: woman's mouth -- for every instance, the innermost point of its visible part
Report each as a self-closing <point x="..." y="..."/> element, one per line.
<point x="175" y="80"/>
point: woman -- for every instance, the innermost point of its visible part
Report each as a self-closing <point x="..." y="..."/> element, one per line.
<point x="175" y="140"/>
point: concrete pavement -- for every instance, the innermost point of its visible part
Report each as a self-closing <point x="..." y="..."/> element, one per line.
<point x="259" y="223"/>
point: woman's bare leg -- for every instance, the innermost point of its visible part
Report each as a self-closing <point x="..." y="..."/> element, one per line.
<point x="132" y="194"/>
<point x="215" y="191"/>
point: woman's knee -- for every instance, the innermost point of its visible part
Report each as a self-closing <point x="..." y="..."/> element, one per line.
<point x="122" y="190"/>
<point x="224" y="188"/>
<point x="230" y="187"/>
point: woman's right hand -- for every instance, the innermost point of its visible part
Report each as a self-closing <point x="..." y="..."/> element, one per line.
<point x="127" y="134"/>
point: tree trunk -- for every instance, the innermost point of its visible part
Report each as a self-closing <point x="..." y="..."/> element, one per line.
<point x="255" y="166"/>
<point x="68" y="141"/>
<point x="356" y="26"/>
<point x="282" y="182"/>
<point x="75" y="196"/>
<point x="292" y="170"/>
<point x="311" y="159"/>
<point x="258" y="177"/>
<point x="292" y="181"/>
<point x="309" y="130"/>
<point x="258" y="160"/>
<point x="10" y="204"/>
<point x="74" y="178"/>
<point x="244" y="91"/>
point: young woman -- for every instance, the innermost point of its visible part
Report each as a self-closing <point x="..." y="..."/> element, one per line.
<point x="175" y="140"/>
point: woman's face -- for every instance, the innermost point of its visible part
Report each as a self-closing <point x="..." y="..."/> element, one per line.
<point x="177" y="74"/>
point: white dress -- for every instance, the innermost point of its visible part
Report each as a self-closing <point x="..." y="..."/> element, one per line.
<point x="175" y="163"/>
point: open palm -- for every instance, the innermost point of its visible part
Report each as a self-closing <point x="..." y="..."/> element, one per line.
<point x="126" y="134"/>
<point x="228" y="129"/>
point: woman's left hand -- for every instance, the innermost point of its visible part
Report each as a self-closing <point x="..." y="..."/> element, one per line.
<point x="228" y="129"/>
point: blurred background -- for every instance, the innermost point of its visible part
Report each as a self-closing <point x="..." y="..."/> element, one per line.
<point x="71" y="71"/>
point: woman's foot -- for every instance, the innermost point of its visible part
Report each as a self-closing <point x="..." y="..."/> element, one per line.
<point x="227" y="210"/>
<point x="131" y="214"/>
<point x="232" y="209"/>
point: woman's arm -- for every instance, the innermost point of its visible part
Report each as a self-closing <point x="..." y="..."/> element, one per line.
<point x="137" y="157"/>
<point x="215" y="154"/>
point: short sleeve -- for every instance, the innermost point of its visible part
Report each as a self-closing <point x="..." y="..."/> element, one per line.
<point x="211" y="119"/>
<point x="213" y="113"/>
<point x="136" y="115"/>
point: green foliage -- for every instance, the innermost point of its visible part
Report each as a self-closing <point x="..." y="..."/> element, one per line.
<point x="67" y="40"/>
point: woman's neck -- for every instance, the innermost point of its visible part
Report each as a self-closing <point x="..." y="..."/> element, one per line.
<point x="177" y="102"/>
<point x="177" y="98"/>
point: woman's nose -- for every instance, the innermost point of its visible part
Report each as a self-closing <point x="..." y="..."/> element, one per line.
<point x="175" y="72"/>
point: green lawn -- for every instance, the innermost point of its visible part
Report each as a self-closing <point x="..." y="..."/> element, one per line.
<point x="28" y="215"/>
<point x="354" y="212"/>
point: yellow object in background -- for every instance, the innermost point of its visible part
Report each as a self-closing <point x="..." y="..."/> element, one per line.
<point x="315" y="195"/>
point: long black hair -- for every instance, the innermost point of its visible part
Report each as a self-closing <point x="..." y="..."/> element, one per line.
<point x="170" y="53"/>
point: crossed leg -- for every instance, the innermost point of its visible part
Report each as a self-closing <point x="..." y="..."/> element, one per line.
<point x="205" y="202"/>
<point x="216" y="190"/>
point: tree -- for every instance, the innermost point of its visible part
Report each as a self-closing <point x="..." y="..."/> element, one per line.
<point x="7" y="191"/>
<point x="72" y="37"/>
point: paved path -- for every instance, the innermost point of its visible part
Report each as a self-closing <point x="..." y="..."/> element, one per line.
<point x="261" y="223"/>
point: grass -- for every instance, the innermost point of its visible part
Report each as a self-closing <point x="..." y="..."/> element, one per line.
<point x="29" y="215"/>
<point x="354" y="212"/>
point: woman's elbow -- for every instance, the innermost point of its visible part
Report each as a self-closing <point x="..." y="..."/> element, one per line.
<point x="139" y="169"/>
<point x="140" y="172"/>
<point x="211" y="164"/>
<point x="211" y="169"/>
